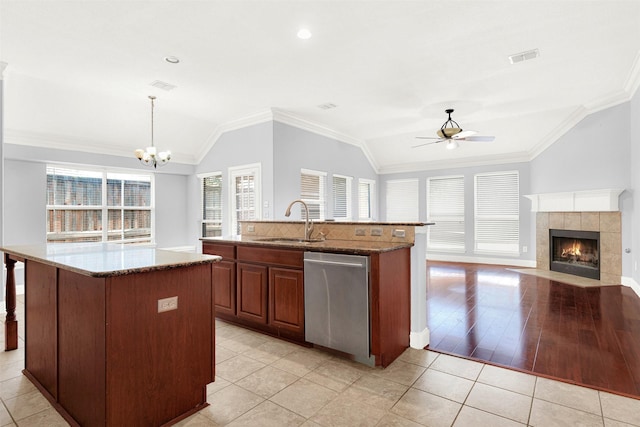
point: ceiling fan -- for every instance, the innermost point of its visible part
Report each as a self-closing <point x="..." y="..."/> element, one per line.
<point x="451" y="132"/>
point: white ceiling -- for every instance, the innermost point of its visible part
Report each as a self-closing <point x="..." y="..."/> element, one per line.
<point x="79" y="72"/>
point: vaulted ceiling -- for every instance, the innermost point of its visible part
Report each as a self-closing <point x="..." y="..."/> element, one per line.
<point x="79" y="72"/>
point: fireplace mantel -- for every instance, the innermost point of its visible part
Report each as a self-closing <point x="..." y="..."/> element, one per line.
<point x="605" y="200"/>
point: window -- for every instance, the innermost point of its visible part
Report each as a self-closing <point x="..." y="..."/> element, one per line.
<point x="342" y="197"/>
<point x="313" y="193"/>
<point x="366" y="198"/>
<point x="445" y="207"/>
<point x="245" y="194"/>
<point x="211" y="204"/>
<point x="497" y="212"/>
<point x="98" y="206"/>
<point x="402" y="200"/>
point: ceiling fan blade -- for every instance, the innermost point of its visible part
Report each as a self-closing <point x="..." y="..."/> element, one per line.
<point x="428" y="137"/>
<point x="427" y="143"/>
<point x="480" y="138"/>
<point x="464" y="134"/>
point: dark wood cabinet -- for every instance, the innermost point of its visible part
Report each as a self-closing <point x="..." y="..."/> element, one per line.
<point x="260" y="287"/>
<point x="252" y="292"/>
<point x="286" y="299"/>
<point x="269" y="292"/>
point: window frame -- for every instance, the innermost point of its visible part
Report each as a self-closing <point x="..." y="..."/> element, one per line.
<point x="450" y="221"/>
<point x="321" y="201"/>
<point x="104" y="174"/>
<point x="371" y="199"/>
<point x="348" y="182"/>
<point x="511" y="216"/>
<point x="254" y="169"/>
<point x="203" y="220"/>
<point x="411" y="201"/>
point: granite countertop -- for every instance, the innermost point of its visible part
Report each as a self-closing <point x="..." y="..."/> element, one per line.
<point x="107" y="259"/>
<point x="359" y="247"/>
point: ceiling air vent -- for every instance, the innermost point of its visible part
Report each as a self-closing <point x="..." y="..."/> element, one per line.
<point x="524" y="56"/>
<point x="327" y="106"/>
<point x="163" y="85"/>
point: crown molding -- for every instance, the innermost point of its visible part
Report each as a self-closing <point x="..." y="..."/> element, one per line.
<point x="304" y="124"/>
<point x="261" y="116"/>
<point x="455" y="163"/>
<point x="565" y="126"/>
<point x="70" y="143"/>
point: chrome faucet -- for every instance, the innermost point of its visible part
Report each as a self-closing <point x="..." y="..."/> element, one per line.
<point x="308" y="225"/>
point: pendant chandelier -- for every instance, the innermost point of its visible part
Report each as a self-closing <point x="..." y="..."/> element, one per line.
<point x="150" y="156"/>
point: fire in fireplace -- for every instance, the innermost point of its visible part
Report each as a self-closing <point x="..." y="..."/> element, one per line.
<point x="575" y="252"/>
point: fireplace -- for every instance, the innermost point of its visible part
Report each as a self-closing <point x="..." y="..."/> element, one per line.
<point x="575" y="252"/>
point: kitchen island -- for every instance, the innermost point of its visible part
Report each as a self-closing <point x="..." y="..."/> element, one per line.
<point x="261" y="280"/>
<point x="115" y="335"/>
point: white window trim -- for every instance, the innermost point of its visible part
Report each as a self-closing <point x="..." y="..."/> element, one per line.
<point x="248" y="169"/>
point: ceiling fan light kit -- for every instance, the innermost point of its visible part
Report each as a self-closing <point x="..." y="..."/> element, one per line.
<point x="451" y="132"/>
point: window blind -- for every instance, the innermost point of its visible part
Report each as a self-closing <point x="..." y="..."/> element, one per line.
<point x="312" y="192"/>
<point x="342" y="197"/>
<point x="365" y="199"/>
<point x="212" y="205"/>
<point x="497" y="212"/>
<point x="402" y="200"/>
<point x="445" y="207"/>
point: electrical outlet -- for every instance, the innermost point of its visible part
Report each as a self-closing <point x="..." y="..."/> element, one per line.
<point x="398" y="233"/>
<point x="251" y="228"/>
<point x="376" y="231"/>
<point x="167" y="304"/>
<point x="361" y="232"/>
<point x="524" y="249"/>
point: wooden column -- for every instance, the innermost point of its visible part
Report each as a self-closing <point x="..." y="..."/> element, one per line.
<point x="11" y="323"/>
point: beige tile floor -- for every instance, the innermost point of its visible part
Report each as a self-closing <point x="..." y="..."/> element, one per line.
<point x="263" y="381"/>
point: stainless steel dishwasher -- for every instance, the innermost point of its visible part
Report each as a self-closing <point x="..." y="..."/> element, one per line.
<point x="336" y="303"/>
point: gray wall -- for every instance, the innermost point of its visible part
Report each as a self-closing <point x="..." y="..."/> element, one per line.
<point x="527" y="234"/>
<point x="296" y="149"/>
<point x="595" y="154"/>
<point x="25" y="201"/>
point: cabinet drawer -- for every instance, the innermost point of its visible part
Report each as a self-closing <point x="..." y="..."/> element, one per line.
<point x="271" y="256"/>
<point x="225" y="251"/>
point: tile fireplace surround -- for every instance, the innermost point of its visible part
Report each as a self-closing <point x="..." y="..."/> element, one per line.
<point x="607" y="223"/>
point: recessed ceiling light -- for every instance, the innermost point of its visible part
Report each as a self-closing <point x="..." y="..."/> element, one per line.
<point x="304" y="34"/>
<point x="172" y="59"/>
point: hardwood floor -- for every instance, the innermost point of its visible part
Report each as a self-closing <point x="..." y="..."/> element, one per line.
<point x="588" y="336"/>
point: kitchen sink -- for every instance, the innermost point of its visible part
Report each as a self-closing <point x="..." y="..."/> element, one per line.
<point x="287" y="240"/>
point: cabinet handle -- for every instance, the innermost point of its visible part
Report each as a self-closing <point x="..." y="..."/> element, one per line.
<point x="344" y="264"/>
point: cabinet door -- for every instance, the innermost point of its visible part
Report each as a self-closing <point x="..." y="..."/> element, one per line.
<point x="286" y="299"/>
<point x="252" y="292"/>
<point x="224" y="287"/>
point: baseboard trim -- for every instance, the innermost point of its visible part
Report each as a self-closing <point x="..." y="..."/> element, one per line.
<point x="630" y="282"/>
<point x="419" y="340"/>
<point x="481" y="260"/>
